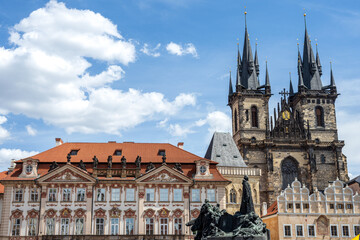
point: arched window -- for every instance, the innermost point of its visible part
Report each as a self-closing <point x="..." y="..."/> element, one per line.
<point x="236" y="121"/>
<point x="319" y="112"/>
<point x="322" y="158"/>
<point x="232" y="196"/>
<point x="254" y="117"/>
<point x="289" y="171"/>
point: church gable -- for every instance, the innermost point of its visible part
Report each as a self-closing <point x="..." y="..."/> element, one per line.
<point x="67" y="173"/>
<point x="164" y="175"/>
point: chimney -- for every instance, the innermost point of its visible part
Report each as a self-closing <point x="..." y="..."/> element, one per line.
<point x="180" y="145"/>
<point x="58" y="141"/>
<point x="264" y="208"/>
<point x="12" y="165"/>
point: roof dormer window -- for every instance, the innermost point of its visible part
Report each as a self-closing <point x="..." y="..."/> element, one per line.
<point x="74" y="152"/>
<point x="161" y="152"/>
<point x="118" y="152"/>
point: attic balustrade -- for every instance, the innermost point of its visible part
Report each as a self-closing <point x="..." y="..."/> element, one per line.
<point x="117" y="172"/>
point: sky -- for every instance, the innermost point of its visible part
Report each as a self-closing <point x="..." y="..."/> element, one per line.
<point x="158" y="70"/>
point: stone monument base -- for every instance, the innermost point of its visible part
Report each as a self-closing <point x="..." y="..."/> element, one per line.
<point x="265" y="237"/>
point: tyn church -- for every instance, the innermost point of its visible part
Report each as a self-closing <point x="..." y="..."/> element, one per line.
<point x="300" y="140"/>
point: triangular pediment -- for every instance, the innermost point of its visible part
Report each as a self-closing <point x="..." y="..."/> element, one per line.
<point x="164" y="174"/>
<point x="67" y="174"/>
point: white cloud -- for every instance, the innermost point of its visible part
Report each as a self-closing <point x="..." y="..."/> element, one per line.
<point x="179" y="131"/>
<point x="151" y="52"/>
<point x="4" y="134"/>
<point x="30" y="130"/>
<point x="48" y="65"/>
<point x="217" y="122"/>
<point x="177" y="49"/>
<point x="6" y="155"/>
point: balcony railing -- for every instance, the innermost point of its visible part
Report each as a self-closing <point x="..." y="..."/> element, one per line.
<point x="117" y="172"/>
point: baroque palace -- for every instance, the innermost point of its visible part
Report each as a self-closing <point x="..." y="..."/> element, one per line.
<point x="300" y="141"/>
<point x="108" y="189"/>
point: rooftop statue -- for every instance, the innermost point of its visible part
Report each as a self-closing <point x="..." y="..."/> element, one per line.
<point x="215" y="224"/>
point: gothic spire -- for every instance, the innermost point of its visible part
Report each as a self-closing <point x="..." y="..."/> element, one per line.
<point x="311" y="75"/>
<point x="301" y="80"/>
<point x="291" y="89"/>
<point x="248" y="73"/>
<point x="332" y="80"/>
<point x="230" y="86"/>
<point x="267" y="79"/>
<point x="318" y="60"/>
<point x="238" y="69"/>
<point x="256" y="61"/>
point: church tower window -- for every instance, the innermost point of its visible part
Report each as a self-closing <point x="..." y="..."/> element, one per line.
<point x="289" y="171"/>
<point x="236" y="121"/>
<point x="319" y="112"/>
<point x="254" y="117"/>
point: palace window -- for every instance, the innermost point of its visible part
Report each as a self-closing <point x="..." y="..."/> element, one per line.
<point x="74" y="152"/>
<point x="32" y="226"/>
<point x="195" y="195"/>
<point x="99" y="226"/>
<point x="129" y="226"/>
<point x="177" y="195"/>
<point x="52" y="194"/>
<point x="65" y="226"/>
<point x="50" y="226"/>
<point x="115" y="194"/>
<point x="150" y="194"/>
<point x="18" y="195"/>
<point x="349" y="206"/>
<point x="297" y="205"/>
<point x="254" y="117"/>
<point x="306" y="206"/>
<point x="319" y="112"/>
<point x="16" y="227"/>
<point x="149" y="228"/>
<point x="130" y="194"/>
<point x="356" y="230"/>
<point x="287" y="230"/>
<point x="178" y="226"/>
<point x="299" y="230"/>
<point x="100" y="196"/>
<point x="232" y="196"/>
<point x="34" y="195"/>
<point x="311" y="230"/>
<point x="79" y="226"/>
<point x="290" y="205"/>
<point x="164" y="194"/>
<point x="333" y="230"/>
<point x="118" y="152"/>
<point x="114" y="226"/>
<point x="66" y="197"/>
<point x="163" y="226"/>
<point x="345" y="231"/>
<point x="331" y="206"/>
<point x="211" y="195"/>
<point x="80" y="195"/>
<point x="29" y="168"/>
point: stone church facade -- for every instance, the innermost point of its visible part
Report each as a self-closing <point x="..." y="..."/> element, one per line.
<point x="300" y="139"/>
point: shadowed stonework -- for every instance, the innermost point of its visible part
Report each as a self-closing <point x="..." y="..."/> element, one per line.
<point x="215" y="224"/>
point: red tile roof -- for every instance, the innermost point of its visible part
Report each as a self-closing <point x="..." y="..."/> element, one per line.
<point x="273" y="209"/>
<point x="147" y="151"/>
<point x="2" y="175"/>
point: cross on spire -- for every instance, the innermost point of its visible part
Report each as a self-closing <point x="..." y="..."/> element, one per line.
<point x="284" y="92"/>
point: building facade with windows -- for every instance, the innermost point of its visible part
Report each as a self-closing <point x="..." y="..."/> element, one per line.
<point x="334" y="214"/>
<point x="108" y="189"/>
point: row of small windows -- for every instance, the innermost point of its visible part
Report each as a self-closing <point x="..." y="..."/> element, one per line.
<point x="117" y="152"/>
<point x="99" y="226"/>
<point x="311" y="232"/>
<point x="331" y="206"/>
<point x="115" y="195"/>
<point x="318" y="101"/>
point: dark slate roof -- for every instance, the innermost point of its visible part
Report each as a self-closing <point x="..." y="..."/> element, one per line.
<point x="223" y="150"/>
<point x="356" y="179"/>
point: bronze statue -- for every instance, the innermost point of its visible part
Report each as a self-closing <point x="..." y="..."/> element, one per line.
<point x="82" y="165"/>
<point x="95" y="161"/>
<point x="214" y="224"/>
<point x="178" y="167"/>
<point x="109" y="160"/>
<point x="138" y="162"/>
<point x="53" y="166"/>
<point x="68" y="157"/>
<point x="123" y="162"/>
<point x="164" y="158"/>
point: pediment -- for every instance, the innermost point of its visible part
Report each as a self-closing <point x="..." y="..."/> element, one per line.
<point x="67" y="174"/>
<point x="164" y="174"/>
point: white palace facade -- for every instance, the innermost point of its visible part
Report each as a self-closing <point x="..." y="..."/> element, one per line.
<point x="95" y="189"/>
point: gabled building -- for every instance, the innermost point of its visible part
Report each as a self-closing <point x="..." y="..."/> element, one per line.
<point x="300" y="140"/>
<point x="333" y="214"/>
<point x="108" y="189"/>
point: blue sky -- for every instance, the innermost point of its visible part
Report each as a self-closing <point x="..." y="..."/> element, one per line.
<point x="157" y="70"/>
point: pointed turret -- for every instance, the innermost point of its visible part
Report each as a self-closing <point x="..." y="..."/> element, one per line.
<point x="318" y="61"/>
<point x="291" y="89"/>
<point x="238" y="71"/>
<point x="248" y="74"/>
<point x="230" y="86"/>
<point x="257" y="68"/>
<point x="267" y="81"/>
<point x="332" y="81"/>
<point x="301" y="85"/>
<point x="311" y="75"/>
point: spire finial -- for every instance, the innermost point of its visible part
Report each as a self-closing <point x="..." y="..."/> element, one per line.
<point x="245" y="17"/>
<point x="305" y="18"/>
